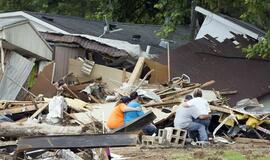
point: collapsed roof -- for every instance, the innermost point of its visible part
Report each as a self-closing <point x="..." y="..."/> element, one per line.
<point x="142" y="34"/>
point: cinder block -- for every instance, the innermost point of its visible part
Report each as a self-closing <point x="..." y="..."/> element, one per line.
<point x="169" y="133"/>
<point x="162" y="135"/>
<point x="177" y="136"/>
<point x="148" y="140"/>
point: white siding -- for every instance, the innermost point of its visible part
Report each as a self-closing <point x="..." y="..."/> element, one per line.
<point x="216" y="29"/>
<point x="24" y="36"/>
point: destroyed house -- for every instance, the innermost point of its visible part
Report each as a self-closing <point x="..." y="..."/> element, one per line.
<point x="137" y="34"/>
<point x="216" y="54"/>
<point x="22" y="47"/>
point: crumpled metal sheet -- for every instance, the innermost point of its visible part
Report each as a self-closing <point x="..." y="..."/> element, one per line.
<point x="16" y="73"/>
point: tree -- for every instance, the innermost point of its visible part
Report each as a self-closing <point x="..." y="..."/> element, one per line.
<point x="168" y="13"/>
<point x="261" y="48"/>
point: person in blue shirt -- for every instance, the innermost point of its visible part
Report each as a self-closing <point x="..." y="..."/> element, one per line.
<point x="149" y="129"/>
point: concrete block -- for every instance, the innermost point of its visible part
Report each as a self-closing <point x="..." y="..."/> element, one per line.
<point x="169" y="132"/>
<point x="148" y="140"/>
<point x="176" y="136"/>
<point x="162" y="136"/>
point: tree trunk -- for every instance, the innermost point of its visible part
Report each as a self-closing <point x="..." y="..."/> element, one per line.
<point x="193" y="19"/>
<point x="10" y="129"/>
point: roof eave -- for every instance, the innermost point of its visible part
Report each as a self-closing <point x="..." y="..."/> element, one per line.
<point x="228" y="22"/>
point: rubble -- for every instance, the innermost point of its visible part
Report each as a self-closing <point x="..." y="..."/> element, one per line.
<point x="63" y="114"/>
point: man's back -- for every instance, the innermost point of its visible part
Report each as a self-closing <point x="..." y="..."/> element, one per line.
<point x="201" y="104"/>
<point x="184" y="116"/>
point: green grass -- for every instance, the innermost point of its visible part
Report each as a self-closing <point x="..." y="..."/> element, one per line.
<point x="233" y="155"/>
<point x="214" y="154"/>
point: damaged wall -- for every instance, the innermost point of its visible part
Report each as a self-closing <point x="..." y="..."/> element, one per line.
<point x="17" y="70"/>
<point x="61" y="59"/>
<point x="24" y="38"/>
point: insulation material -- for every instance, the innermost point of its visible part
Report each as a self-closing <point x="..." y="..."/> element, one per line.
<point x="16" y="73"/>
<point x="57" y="105"/>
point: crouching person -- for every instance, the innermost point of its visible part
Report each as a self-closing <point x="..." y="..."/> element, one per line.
<point x="148" y="129"/>
<point x="184" y="120"/>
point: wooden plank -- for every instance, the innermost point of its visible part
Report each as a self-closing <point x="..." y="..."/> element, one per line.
<point x="137" y="71"/>
<point x="39" y="111"/>
<point x="251" y="140"/>
<point x="78" y="105"/>
<point x="111" y="76"/>
<point x="11" y="129"/>
<point x="75" y="67"/>
<point x="137" y="124"/>
<point x="161" y="71"/>
<point x="43" y="83"/>
<point x="83" y="117"/>
<point x="162" y="104"/>
<point x="20" y="109"/>
<point x="187" y="90"/>
<point x="77" y="141"/>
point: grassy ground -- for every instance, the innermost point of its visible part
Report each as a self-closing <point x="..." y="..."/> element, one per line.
<point x="232" y="152"/>
<point x="215" y="154"/>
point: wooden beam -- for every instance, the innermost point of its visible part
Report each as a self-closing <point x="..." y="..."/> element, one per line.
<point x="251" y="140"/>
<point x="161" y="104"/>
<point x="11" y="129"/>
<point x="39" y="111"/>
<point x="137" y="71"/>
<point x="20" y="109"/>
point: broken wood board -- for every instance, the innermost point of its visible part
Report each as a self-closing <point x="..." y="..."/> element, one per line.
<point x="39" y="111"/>
<point x="43" y="83"/>
<point x="101" y="112"/>
<point x="7" y="104"/>
<point x="162" y="104"/>
<point x="111" y="76"/>
<point x="75" y="67"/>
<point x="4" y="144"/>
<point x="136" y="71"/>
<point x="21" y="109"/>
<point x="160" y="116"/>
<point x="251" y="140"/>
<point x="160" y="74"/>
<point x="78" y="88"/>
<point x="76" y="141"/>
<point x="11" y="129"/>
<point x="137" y="124"/>
<point x="78" y="105"/>
<point x="187" y="90"/>
<point x="83" y="117"/>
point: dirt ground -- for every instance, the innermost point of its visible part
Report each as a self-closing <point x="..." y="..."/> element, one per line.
<point x="216" y="152"/>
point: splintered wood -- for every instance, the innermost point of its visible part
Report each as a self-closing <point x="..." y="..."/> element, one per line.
<point x="9" y="107"/>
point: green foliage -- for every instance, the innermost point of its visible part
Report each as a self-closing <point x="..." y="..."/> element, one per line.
<point x="168" y="13"/>
<point x="261" y="48"/>
<point x="174" y="13"/>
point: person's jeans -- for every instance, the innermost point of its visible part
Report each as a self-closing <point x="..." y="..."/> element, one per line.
<point x="149" y="129"/>
<point x="194" y="126"/>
